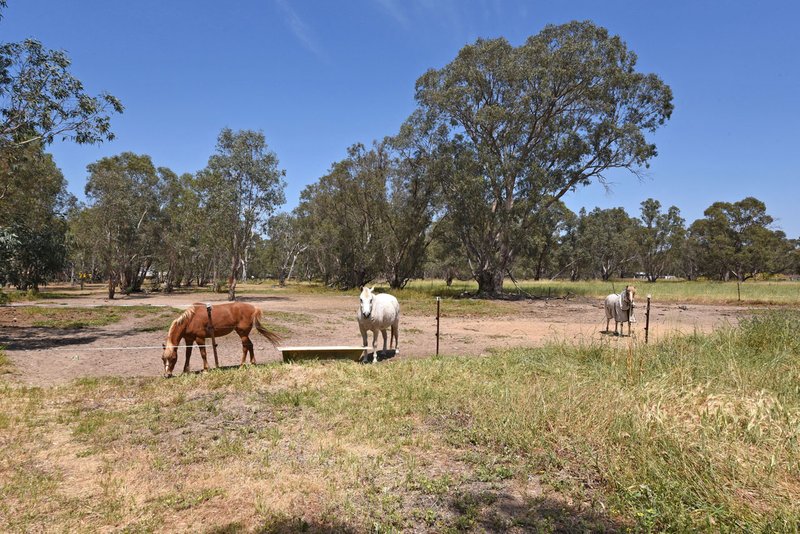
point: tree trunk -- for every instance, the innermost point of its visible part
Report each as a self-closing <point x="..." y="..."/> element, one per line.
<point x="233" y="279"/>
<point x="111" y="287"/>
<point x="232" y="288"/>
<point x="490" y="282"/>
<point x="294" y="259"/>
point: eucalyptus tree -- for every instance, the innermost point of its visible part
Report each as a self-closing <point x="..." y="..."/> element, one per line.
<point x="180" y="255"/>
<point x="287" y="242"/>
<point x="243" y="186"/>
<point x="737" y="238"/>
<point x="123" y="222"/>
<point x="540" y="245"/>
<point x="343" y="213"/>
<point x="446" y="257"/>
<point x="417" y="168"/>
<point x="537" y="121"/>
<point x="608" y="240"/>
<point x="40" y="99"/>
<point x="661" y="236"/>
<point x="571" y="257"/>
<point x="32" y="216"/>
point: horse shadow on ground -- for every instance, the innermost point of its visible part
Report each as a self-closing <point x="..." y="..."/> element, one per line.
<point x="612" y="333"/>
<point x="498" y="511"/>
<point x="382" y="355"/>
<point x="221" y="369"/>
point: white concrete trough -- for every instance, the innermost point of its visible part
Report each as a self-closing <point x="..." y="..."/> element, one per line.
<point x="296" y="354"/>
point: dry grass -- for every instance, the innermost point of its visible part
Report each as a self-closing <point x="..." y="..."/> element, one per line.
<point x="150" y="318"/>
<point x="698" y="433"/>
<point x="699" y="292"/>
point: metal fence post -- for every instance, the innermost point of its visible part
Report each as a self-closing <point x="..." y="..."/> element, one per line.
<point x="438" y="303"/>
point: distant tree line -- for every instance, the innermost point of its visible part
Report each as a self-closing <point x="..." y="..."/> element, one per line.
<point x="470" y="187"/>
<point x="379" y="214"/>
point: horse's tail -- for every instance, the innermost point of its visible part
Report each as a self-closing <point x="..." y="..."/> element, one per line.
<point x="271" y="336"/>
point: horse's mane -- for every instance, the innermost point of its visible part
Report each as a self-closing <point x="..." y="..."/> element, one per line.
<point x="182" y="319"/>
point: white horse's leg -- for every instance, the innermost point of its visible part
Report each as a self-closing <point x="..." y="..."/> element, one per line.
<point x="395" y="328"/>
<point x="374" y="346"/>
<point x="364" y="340"/>
<point x="383" y="334"/>
<point x="608" y="320"/>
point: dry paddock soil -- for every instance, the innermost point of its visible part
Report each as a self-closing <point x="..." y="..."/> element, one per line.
<point x="48" y="356"/>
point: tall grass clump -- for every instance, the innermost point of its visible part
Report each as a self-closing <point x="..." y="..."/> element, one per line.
<point x="695" y="433"/>
<point x="5" y="362"/>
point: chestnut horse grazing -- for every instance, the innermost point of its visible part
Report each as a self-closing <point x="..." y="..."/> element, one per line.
<point x="192" y="326"/>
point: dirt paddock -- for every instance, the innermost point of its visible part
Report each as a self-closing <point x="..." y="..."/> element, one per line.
<point x="48" y="356"/>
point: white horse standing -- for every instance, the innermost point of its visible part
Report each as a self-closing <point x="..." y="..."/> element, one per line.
<point x="620" y="308"/>
<point x="378" y="312"/>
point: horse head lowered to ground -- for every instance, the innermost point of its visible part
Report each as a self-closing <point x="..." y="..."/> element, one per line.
<point x="193" y="326"/>
<point x="378" y="312"/>
<point x="620" y="308"/>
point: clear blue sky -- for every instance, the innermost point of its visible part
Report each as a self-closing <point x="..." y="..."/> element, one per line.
<point x="318" y="76"/>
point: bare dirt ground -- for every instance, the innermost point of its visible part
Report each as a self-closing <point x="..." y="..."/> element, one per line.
<point x="48" y="356"/>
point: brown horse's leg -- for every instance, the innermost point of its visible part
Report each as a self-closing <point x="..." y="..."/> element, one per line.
<point x="188" y="355"/>
<point x="245" y="340"/>
<point x="249" y="346"/>
<point x="202" y="343"/>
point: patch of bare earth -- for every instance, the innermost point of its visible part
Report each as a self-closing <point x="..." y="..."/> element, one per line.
<point x="46" y="356"/>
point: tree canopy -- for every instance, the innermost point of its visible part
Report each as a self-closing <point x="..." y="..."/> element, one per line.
<point x="40" y="99"/>
<point x="243" y="186"/>
<point x="537" y="121"/>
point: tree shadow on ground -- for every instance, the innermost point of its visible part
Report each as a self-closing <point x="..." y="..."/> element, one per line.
<point x="258" y="298"/>
<point x="286" y="525"/>
<point x="42" y="338"/>
<point x="500" y="511"/>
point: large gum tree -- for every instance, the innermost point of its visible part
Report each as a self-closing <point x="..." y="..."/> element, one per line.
<point x="242" y="185"/>
<point x="532" y="122"/>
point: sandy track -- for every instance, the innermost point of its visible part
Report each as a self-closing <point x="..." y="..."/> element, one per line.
<point x="46" y="356"/>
